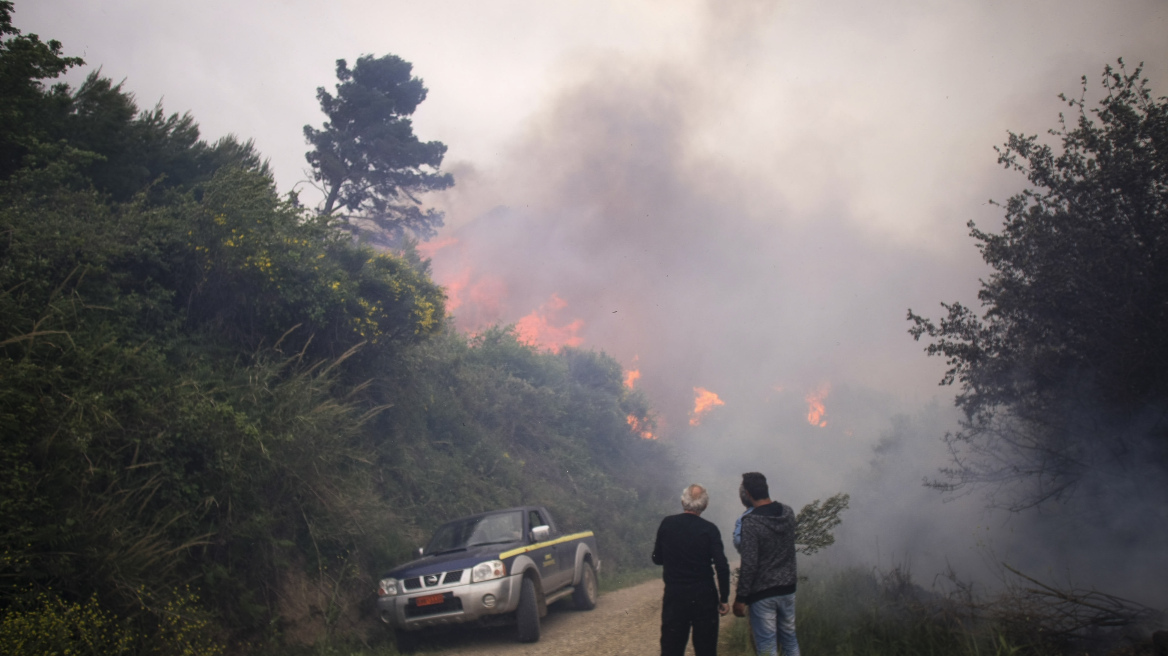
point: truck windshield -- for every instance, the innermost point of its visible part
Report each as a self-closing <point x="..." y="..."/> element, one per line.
<point x="499" y="528"/>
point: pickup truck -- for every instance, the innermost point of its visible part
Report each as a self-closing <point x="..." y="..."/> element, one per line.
<point x="492" y="568"/>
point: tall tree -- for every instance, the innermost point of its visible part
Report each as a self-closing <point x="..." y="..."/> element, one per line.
<point x="118" y="149"/>
<point x="1066" y="372"/>
<point x="25" y="62"/>
<point x="370" y="165"/>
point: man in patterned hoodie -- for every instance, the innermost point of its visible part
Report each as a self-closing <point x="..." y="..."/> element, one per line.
<point x="766" y="581"/>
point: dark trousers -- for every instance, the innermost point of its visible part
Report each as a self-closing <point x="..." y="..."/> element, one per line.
<point x="682" y="610"/>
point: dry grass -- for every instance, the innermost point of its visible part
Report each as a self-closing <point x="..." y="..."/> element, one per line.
<point x="852" y="612"/>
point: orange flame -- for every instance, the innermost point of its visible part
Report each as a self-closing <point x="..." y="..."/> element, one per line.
<point x="428" y="249"/>
<point x="486" y="297"/>
<point x="704" y="401"/>
<point x="635" y="426"/>
<point x="815" y="409"/>
<point x="536" y="329"/>
<point x="478" y="301"/>
<point x="454" y="290"/>
<point x="632" y="375"/>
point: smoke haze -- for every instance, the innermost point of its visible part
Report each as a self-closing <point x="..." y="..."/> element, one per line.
<point x="740" y="197"/>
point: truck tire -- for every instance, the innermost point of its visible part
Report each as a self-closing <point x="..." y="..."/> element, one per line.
<point x="527" y="615"/>
<point x="407" y="641"/>
<point x="585" y="594"/>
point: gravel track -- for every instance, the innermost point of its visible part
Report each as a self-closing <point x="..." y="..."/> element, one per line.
<point x="624" y="623"/>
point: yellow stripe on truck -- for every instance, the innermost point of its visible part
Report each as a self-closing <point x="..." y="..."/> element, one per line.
<point x="539" y="545"/>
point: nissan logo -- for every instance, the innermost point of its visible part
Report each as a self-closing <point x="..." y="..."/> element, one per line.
<point x="431" y="579"/>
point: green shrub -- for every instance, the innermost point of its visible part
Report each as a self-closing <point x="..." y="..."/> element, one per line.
<point x="46" y="624"/>
<point x="853" y="612"/>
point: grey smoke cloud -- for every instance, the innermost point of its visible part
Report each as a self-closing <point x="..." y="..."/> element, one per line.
<point x="766" y="274"/>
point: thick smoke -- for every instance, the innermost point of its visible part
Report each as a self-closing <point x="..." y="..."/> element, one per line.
<point x="615" y="224"/>
<point x="1110" y="533"/>
<point x="610" y="209"/>
<point x="681" y="274"/>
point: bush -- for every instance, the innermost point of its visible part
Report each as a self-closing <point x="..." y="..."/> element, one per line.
<point x="853" y="611"/>
<point x="48" y="624"/>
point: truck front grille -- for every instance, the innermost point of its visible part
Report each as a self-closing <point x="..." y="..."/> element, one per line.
<point x="442" y="578"/>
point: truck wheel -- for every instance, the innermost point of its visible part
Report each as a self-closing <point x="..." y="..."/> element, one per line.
<point x="584" y="596"/>
<point x="407" y="641"/>
<point x="528" y="613"/>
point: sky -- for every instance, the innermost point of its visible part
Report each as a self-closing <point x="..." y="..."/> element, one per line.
<point x="742" y="197"/>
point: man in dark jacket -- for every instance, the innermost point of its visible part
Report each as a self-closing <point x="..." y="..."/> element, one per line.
<point x="766" y="582"/>
<point x="688" y="546"/>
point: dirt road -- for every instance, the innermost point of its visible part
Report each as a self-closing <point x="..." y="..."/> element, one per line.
<point x="624" y="623"/>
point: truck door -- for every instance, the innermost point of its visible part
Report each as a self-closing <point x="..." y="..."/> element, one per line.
<point x="549" y="558"/>
<point x="565" y="554"/>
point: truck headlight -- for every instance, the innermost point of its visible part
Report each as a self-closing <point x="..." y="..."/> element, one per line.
<point x="492" y="569"/>
<point x="387" y="588"/>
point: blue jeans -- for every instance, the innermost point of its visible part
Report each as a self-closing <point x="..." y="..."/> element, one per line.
<point x="771" y="618"/>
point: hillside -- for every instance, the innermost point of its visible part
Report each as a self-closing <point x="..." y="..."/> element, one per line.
<point x="222" y="416"/>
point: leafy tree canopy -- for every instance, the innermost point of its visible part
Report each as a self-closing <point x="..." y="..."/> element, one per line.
<point x="815" y="521"/>
<point x="25" y="61"/>
<point x="140" y="148"/>
<point x="370" y="165"/>
<point x="1067" y="368"/>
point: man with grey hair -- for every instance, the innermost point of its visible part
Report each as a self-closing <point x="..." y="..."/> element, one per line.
<point x="690" y="549"/>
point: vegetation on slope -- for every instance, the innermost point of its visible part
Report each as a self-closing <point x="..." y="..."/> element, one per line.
<point x="220" y="412"/>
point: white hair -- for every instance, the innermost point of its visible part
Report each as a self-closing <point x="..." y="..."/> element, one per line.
<point x="694" y="498"/>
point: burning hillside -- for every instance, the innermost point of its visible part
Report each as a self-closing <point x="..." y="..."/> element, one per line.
<point x="539" y="328"/>
<point x="704" y="402"/>
<point x="816" y="412"/>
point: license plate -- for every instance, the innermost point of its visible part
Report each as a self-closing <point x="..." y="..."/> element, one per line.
<point x="430" y="600"/>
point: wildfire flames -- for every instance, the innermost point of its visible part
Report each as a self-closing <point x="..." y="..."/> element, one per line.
<point x="704" y="401"/>
<point x="427" y="249"/>
<point x="478" y="302"/>
<point x="635" y="426"/>
<point x="478" y="299"/>
<point x="631" y="377"/>
<point x="455" y="289"/>
<point x="537" y="329"/>
<point x="815" y="409"/>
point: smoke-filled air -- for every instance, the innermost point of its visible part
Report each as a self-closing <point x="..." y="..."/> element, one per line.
<point x="813" y="240"/>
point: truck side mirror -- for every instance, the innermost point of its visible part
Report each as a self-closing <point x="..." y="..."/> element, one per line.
<point x="540" y="533"/>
